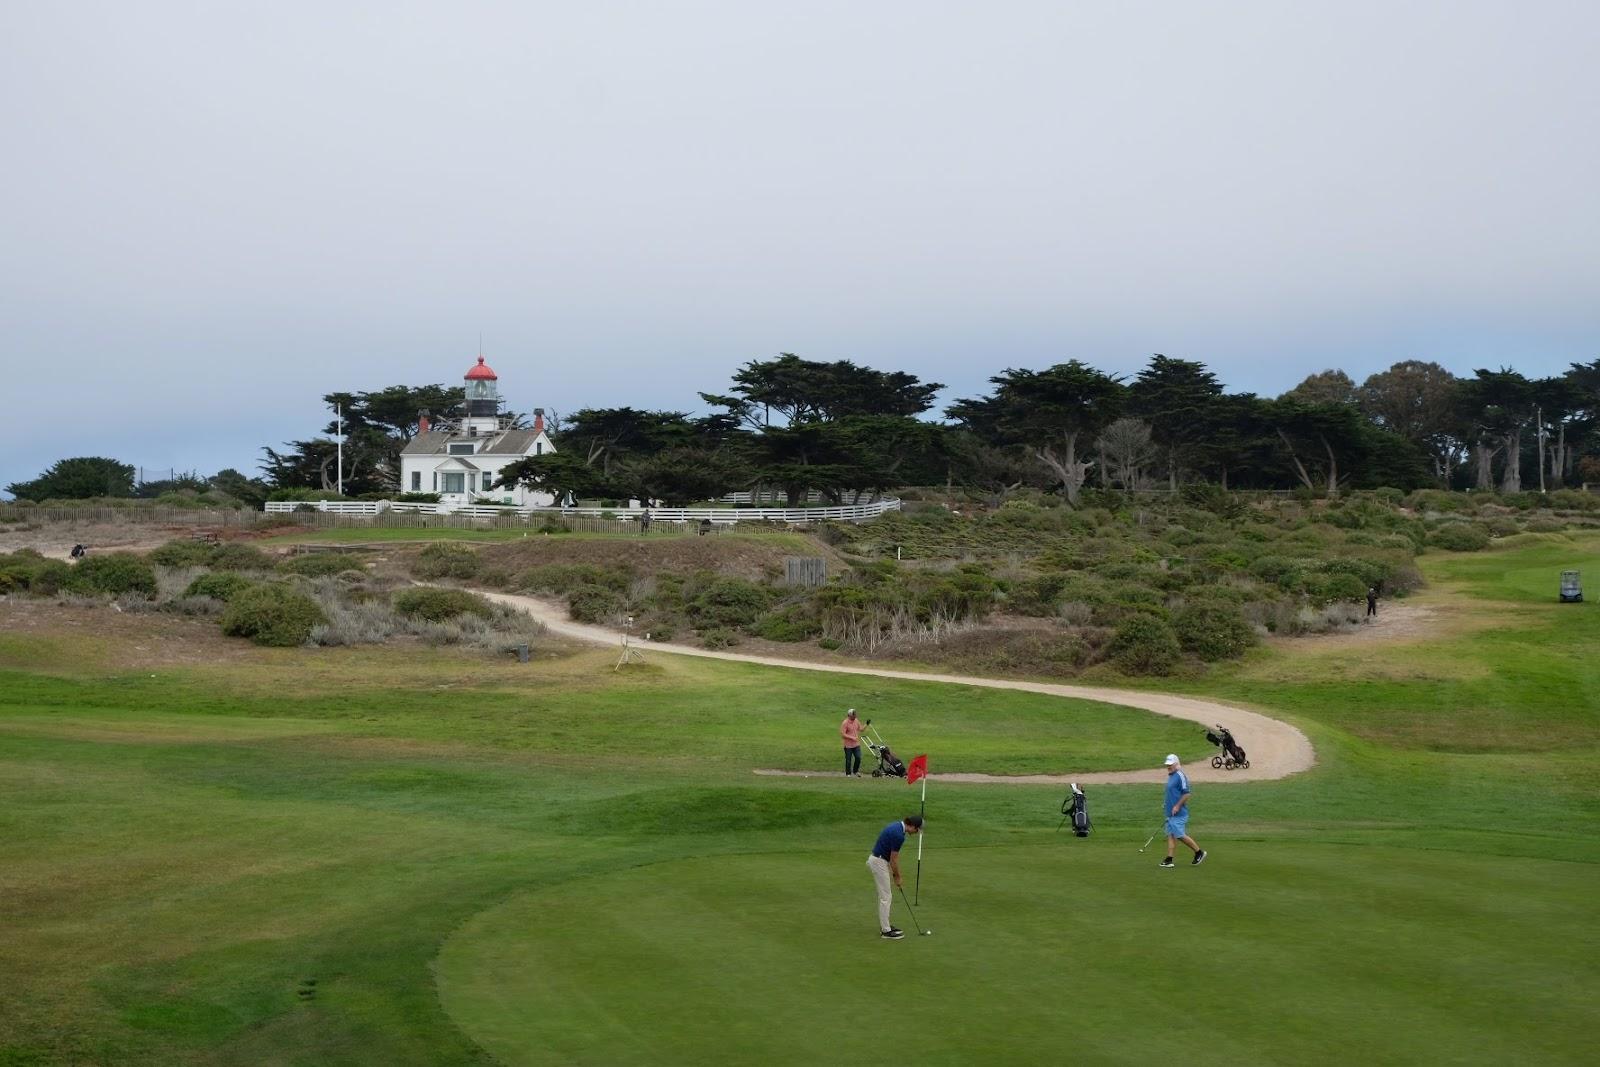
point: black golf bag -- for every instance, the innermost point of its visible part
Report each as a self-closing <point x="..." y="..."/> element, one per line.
<point x="889" y="765"/>
<point x="1232" y="754"/>
<point x="1075" y="809"/>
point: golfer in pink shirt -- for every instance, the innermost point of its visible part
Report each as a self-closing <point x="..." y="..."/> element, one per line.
<point x="850" y="731"/>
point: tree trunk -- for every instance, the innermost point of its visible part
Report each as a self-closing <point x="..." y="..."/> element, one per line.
<point x="1485" y="465"/>
<point x="1066" y="465"/>
<point x="1300" y="468"/>
<point x="1511" y="476"/>
<point x="1333" y="468"/>
<point x="1558" y="457"/>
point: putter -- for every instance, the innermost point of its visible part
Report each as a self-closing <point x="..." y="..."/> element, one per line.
<point x="1152" y="838"/>
<point x="914" y="922"/>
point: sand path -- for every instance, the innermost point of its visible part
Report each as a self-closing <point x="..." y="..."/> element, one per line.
<point x="1276" y="749"/>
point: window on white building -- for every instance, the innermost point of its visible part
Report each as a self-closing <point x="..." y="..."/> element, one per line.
<point x="488" y="481"/>
<point x="538" y="448"/>
<point x="416" y="481"/>
<point x="455" y="482"/>
<point x="461" y="450"/>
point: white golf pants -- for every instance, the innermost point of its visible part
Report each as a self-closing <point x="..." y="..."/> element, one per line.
<point x="880" y="878"/>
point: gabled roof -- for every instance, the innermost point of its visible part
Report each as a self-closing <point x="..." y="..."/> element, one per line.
<point x="506" y="442"/>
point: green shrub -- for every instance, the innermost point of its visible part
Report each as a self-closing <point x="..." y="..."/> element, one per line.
<point x="1212" y="630"/>
<point x="786" y="626"/>
<point x="27" y="571"/>
<point x="1038" y="596"/>
<point x="832" y="644"/>
<point x="729" y="603"/>
<point x="446" y="560"/>
<point x="1460" y="537"/>
<point x="117" y="574"/>
<point x="234" y="556"/>
<point x="221" y="585"/>
<point x="320" y="565"/>
<point x="188" y="553"/>
<point x="594" y="604"/>
<point x="1336" y="588"/>
<point x="273" y="614"/>
<point x="50" y="576"/>
<point x="719" y="637"/>
<point x="563" y="578"/>
<point x="438" y="605"/>
<point x="1144" y="644"/>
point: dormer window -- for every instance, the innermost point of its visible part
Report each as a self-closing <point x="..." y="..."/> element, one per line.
<point x="462" y="449"/>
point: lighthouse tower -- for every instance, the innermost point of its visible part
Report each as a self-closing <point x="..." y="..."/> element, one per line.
<point x="483" y="400"/>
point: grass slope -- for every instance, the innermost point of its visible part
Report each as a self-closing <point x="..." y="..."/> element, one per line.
<point x="367" y="856"/>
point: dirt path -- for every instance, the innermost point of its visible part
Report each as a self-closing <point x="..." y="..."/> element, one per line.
<point x="1276" y="749"/>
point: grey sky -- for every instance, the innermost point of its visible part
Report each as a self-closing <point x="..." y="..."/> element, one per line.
<point x="210" y="214"/>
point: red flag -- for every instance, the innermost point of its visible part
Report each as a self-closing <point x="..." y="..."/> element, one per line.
<point x="917" y="769"/>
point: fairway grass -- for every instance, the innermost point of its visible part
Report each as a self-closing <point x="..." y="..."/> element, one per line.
<point x="413" y="856"/>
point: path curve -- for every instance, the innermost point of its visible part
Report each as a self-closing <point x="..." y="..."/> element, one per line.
<point x="1276" y="749"/>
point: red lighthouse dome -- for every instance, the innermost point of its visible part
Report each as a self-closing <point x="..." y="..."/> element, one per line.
<point x="482" y="372"/>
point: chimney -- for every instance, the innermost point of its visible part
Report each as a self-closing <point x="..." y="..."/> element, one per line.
<point x="422" y="422"/>
<point x="538" y="421"/>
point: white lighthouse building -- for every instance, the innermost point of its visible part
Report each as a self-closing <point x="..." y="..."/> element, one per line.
<point x="461" y="459"/>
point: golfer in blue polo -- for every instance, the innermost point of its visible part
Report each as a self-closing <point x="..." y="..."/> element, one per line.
<point x="1176" y="812"/>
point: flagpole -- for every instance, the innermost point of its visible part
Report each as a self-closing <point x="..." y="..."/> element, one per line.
<point x="923" y="811"/>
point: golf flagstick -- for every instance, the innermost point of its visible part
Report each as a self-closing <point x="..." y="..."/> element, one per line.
<point x="923" y="811"/>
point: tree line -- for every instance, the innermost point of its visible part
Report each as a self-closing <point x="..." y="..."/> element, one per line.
<point x="788" y="426"/>
<point x="844" y="430"/>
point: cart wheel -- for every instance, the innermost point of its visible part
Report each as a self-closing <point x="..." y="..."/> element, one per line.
<point x="1245" y="765"/>
<point x="1216" y="762"/>
<point x="1228" y="764"/>
<point x="877" y="774"/>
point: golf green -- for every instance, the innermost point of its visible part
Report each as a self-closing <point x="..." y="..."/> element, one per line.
<point x="1054" y="950"/>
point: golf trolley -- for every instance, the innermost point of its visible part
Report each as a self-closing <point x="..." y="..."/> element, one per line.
<point x="1076" y="809"/>
<point x="1232" y="756"/>
<point x="889" y="765"/>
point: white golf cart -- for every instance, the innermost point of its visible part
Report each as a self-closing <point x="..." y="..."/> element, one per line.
<point x="1571" y="588"/>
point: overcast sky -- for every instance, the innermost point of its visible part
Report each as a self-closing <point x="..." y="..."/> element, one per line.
<point x="212" y="213"/>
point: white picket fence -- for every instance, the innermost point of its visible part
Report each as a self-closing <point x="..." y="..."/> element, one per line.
<point x="795" y="516"/>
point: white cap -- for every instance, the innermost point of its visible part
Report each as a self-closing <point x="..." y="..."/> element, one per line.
<point x="1172" y="760"/>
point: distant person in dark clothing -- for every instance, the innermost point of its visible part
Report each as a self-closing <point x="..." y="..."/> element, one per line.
<point x="644" y="522"/>
<point x="78" y="551"/>
<point x="705" y="527"/>
<point x="1372" y="601"/>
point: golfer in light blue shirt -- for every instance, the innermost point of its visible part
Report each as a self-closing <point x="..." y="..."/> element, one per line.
<point x="1176" y="812"/>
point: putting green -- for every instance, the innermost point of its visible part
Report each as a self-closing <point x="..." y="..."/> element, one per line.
<point x="1065" y="951"/>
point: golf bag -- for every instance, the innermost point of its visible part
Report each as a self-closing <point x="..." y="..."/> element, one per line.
<point x="889" y="765"/>
<point x="1232" y="754"/>
<point x="1075" y="809"/>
